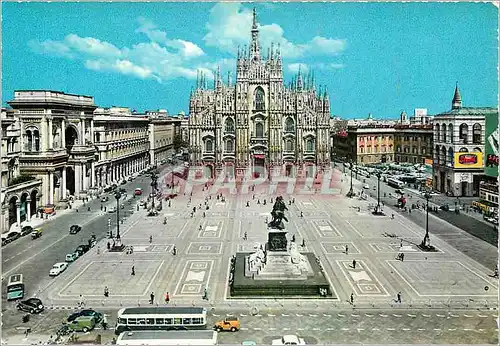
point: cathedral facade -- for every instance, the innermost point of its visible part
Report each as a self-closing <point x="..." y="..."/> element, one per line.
<point x="258" y="122"/>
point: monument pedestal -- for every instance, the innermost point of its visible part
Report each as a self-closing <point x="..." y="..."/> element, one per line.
<point x="278" y="269"/>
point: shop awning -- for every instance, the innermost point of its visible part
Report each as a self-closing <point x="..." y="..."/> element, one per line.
<point x="259" y="156"/>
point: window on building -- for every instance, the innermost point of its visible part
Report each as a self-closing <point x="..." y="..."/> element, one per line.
<point x="463" y="133"/>
<point x="209" y="145"/>
<point x="437" y="152"/>
<point x="477" y="150"/>
<point x="259" y="130"/>
<point x="29" y="140"/>
<point x="229" y="125"/>
<point x="288" y="145"/>
<point x="289" y="125"/>
<point x="450" y="133"/>
<point x="309" y="145"/>
<point x="260" y="104"/>
<point x="229" y="145"/>
<point x="449" y="160"/>
<point x="36" y="138"/>
<point x="437" y="132"/>
<point x="463" y="150"/>
<point x="443" y="132"/>
<point x="476" y="133"/>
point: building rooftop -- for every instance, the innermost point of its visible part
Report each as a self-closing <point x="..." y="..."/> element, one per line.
<point x="469" y="111"/>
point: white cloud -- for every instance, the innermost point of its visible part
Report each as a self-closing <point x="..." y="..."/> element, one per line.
<point x="160" y="59"/>
<point x="329" y="66"/>
<point x="230" y="24"/>
<point x="294" y="68"/>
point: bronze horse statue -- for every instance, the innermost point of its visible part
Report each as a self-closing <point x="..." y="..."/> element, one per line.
<point x="278" y="214"/>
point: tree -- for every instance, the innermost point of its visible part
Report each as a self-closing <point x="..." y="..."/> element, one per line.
<point x="179" y="142"/>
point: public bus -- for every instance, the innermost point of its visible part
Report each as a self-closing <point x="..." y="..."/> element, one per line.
<point x="15" y="287"/>
<point x="398" y="184"/>
<point x="161" y="318"/>
<point x="191" y="337"/>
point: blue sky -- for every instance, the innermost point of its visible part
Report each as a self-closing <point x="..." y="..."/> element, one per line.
<point x="378" y="58"/>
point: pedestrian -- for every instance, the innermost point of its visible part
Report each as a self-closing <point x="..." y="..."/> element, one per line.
<point x="293" y="238"/>
<point x="303" y="243"/>
<point x="353" y="264"/>
<point x="167" y="298"/>
<point x="205" y="294"/>
<point x="81" y="302"/>
<point x="248" y="203"/>
<point x="106" y="291"/>
<point x="133" y="271"/>
<point x="392" y="216"/>
<point x="104" y="322"/>
<point x="301" y="214"/>
<point x="401" y="243"/>
<point x="101" y="207"/>
<point x="204" y="215"/>
<point x="150" y="239"/>
<point x="347" y="249"/>
<point x="174" y="251"/>
<point x="200" y="228"/>
<point x="402" y="256"/>
<point x="152" y="298"/>
<point x="245" y="236"/>
<point x="399" y="297"/>
<point x="352" y="298"/>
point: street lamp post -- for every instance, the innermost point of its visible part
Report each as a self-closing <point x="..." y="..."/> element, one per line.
<point x="378" y="193"/>
<point x="351" y="192"/>
<point x="118" y="196"/>
<point x="426" y="241"/>
<point x="154" y="185"/>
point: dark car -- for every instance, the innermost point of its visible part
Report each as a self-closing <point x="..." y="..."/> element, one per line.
<point x="26" y="230"/>
<point x="10" y="237"/>
<point x="123" y="190"/>
<point x="74" y="229"/>
<point x="82" y="249"/>
<point x="86" y="312"/>
<point x="32" y="305"/>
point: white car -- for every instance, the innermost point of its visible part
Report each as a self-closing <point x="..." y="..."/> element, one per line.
<point x="366" y="186"/>
<point x="289" y="340"/>
<point x="58" y="268"/>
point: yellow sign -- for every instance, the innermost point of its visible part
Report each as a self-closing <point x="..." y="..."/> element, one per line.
<point x="471" y="160"/>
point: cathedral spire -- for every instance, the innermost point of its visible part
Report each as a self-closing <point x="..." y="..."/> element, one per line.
<point x="457" y="99"/>
<point x="299" y="80"/>
<point x="254" y="45"/>
<point x="197" y="79"/>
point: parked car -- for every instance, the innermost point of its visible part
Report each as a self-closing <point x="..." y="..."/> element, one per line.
<point x="74" y="229"/>
<point x="123" y="190"/>
<point x="86" y="313"/>
<point x="71" y="257"/>
<point x="10" y="237"/>
<point x="366" y="186"/>
<point x="138" y="191"/>
<point x="26" y="230"/>
<point x="58" y="268"/>
<point x="123" y="182"/>
<point x="104" y="199"/>
<point x="82" y="249"/>
<point x="82" y="324"/>
<point x="32" y="305"/>
<point x="112" y="210"/>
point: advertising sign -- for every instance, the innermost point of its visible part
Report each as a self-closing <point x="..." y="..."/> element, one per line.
<point x="469" y="160"/>
<point x="491" y="145"/>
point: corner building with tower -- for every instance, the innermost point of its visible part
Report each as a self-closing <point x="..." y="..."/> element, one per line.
<point x="258" y="122"/>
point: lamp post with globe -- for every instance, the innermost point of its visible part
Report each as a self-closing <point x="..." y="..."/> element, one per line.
<point x="118" y="195"/>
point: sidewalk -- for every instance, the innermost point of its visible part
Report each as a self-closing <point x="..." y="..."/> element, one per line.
<point x="37" y="222"/>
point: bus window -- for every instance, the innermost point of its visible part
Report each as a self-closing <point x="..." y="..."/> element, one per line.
<point x="177" y="321"/>
<point x="168" y="321"/>
<point x="186" y="321"/>
<point x="197" y="320"/>
<point x="150" y="321"/>
<point x="122" y="321"/>
<point x="132" y="321"/>
<point x="15" y="287"/>
<point x="159" y="321"/>
<point x="141" y="321"/>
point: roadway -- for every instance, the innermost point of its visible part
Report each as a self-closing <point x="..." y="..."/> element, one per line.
<point x="473" y="237"/>
<point x="34" y="258"/>
<point x="397" y="326"/>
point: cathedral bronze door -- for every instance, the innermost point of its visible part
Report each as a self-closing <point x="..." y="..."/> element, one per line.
<point x="259" y="163"/>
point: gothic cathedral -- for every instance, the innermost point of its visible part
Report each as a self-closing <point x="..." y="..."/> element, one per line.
<point x="259" y="122"/>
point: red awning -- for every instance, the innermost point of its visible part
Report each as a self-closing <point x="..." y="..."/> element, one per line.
<point x="259" y="156"/>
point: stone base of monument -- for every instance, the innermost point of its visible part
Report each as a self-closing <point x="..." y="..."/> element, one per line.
<point x="278" y="277"/>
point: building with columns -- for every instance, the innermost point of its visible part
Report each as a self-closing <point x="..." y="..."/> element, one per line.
<point x="258" y="121"/>
<point x="459" y="145"/>
<point x="18" y="193"/>
<point x="57" y="146"/>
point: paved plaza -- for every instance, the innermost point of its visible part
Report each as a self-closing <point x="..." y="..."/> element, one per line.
<point x="445" y="278"/>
